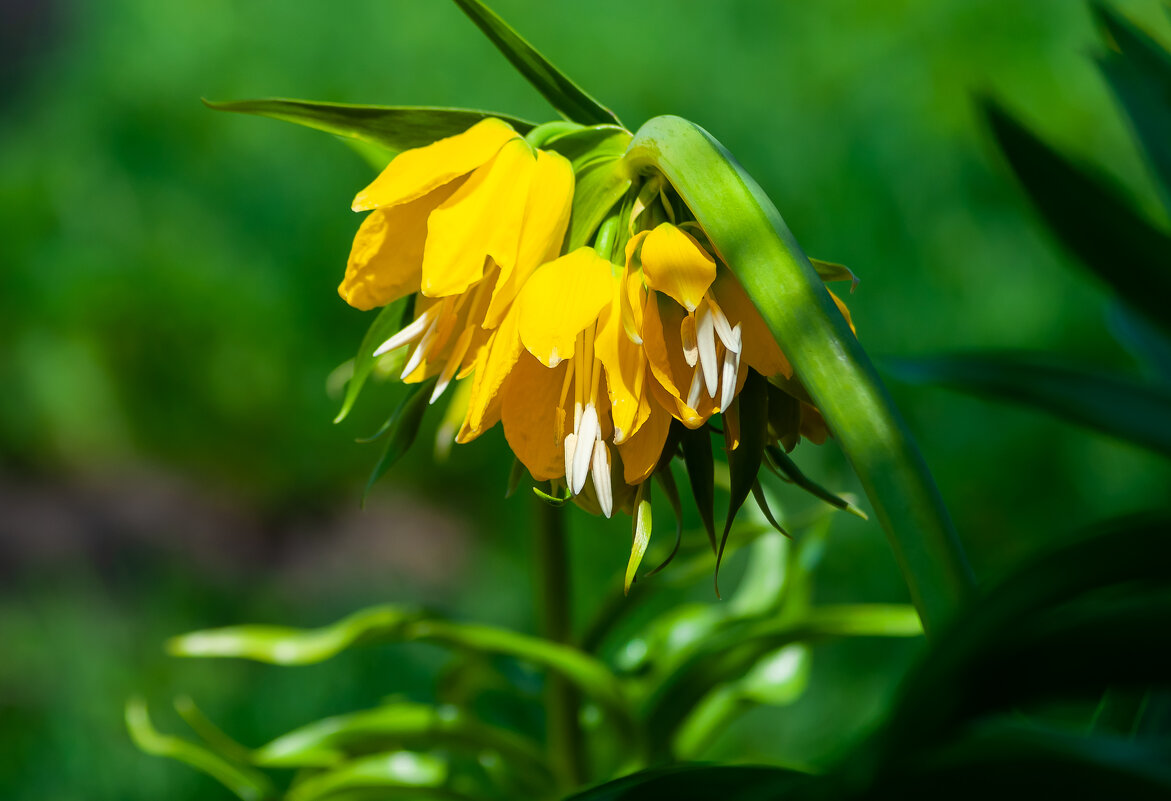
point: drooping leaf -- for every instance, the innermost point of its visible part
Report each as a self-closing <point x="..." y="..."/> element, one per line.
<point x="1117" y="405"/>
<point x="751" y="407"/>
<point x="666" y="481"/>
<point x="386" y="323"/>
<point x="247" y="784"/>
<point x="750" y="236"/>
<point x="762" y="504"/>
<point x="393" y="128"/>
<point x="788" y="469"/>
<point x="422" y="774"/>
<point x="516" y="475"/>
<point x="641" y="533"/>
<point x="570" y="100"/>
<point x="402" y="428"/>
<point x="697" y="458"/>
<point x="1108" y="236"/>
<point x="1140" y="76"/>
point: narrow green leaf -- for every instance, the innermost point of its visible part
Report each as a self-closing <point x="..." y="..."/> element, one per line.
<point x="552" y="499"/>
<point x="1141" y="79"/>
<point x="386" y="323"/>
<point x="570" y="100"/>
<point x="762" y="504"/>
<point x="247" y="784"/>
<point x="788" y="469"/>
<point x="599" y="188"/>
<point x="750" y="236"/>
<point x="697" y="458"/>
<point x="210" y="733"/>
<point x="329" y="742"/>
<point x="666" y="481"/>
<point x="700" y="783"/>
<point x="1120" y="406"/>
<point x="394" y="128"/>
<point x="403" y="428"/>
<point x="397" y="769"/>
<point x="516" y="475"/>
<point x="1109" y="237"/>
<point x="751" y="406"/>
<point x="640" y="533"/>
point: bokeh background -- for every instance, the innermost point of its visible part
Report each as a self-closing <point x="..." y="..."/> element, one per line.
<point x="169" y="324"/>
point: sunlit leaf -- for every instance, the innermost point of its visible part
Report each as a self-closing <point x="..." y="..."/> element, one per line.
<point x="397" y="769"/>
<point x="1123" y="407"/>
<point x="247" y="784"/>
<point x="570" y="100"/>
<point x="392" y="128"/>
<point x="1109" y="237"/>
<point x="641" y="536"/>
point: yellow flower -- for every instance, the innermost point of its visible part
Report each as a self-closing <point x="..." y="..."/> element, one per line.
<point x="562" y="376"/>
<point x="463" y="222"/>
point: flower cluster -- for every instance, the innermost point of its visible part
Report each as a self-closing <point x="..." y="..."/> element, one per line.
<point x="596" y="360"/>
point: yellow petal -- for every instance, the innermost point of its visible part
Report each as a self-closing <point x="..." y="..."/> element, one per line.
<point x="641" y="452"/>
<point x="414" y="173"/>
<point x="529" y="411"/>
<point x="761" y="351"/>
<point x="387" y="253"/>
<point x="664" y="352"/>
<point x="493" y="366"/>
<point x="546" y="218"/>
<point x="674" y="263"/>
<point x="625" y="368"/>
<point x="560" y="300"/>
<point x="481" y="219"/>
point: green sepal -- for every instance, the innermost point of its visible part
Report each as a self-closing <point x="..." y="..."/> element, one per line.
<point x="1119" y="245"/>
<point x="598" y="189"/>
<point x="402" y="427"/>
<point x="751" y="406"/>
<point x="388" y="322"/>
<point x="247" y="784"/>
<point x="570" y="100"/>
<point x="788" y="470"/>
<point x="701" y="474"/>
<point x="640" y="533"/>
<point x="394" y="128"/>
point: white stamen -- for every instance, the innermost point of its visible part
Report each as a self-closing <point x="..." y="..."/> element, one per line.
<point x="696" y="386"/>
<point x="687" y="335"/>
<point x="584" y="447"/>
<point x="705" y="335"/>
<point x="724" y="329"/>
<point x="729" y="377"/>
<point x="453" y="362"/>
<point x="570" y="445"/>
<point x="408" y="334"/>
<point x="602" y="480"/>
<point x="420" y="350"/>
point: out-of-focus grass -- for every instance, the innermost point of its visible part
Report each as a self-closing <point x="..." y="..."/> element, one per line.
<point x="167" y="303"/>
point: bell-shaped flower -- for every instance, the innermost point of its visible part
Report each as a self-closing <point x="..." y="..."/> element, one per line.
<point x="463" y="222"/>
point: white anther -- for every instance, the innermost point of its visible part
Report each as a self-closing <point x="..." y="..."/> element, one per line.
<point x="729" y="378"/>
<point x="696" y="388"/>
<point x="705" y="335"/>
<point x="408" y="334"/>
<point x="583" y="449"/>
<point x="421" y="349"/>
<point x="453" y="362"/>
<point x="602" y="481"/>
<point x="728" y="335"/>
<point x="570" y="445"/>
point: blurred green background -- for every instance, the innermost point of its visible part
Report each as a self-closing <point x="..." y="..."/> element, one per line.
<point x="168" y="321"/>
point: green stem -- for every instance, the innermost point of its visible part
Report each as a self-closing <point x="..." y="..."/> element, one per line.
<point x="747" y="231"/>
<point x="562" y="699"/>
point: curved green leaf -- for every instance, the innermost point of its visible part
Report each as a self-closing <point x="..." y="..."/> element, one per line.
<point x="750" y="236"/>
<point x="641" y="533"/>
<point x="394" y="128"/>
<point x="698" y="459"/>
<point x="1123" y="407"/>
<point x="398" y="769"/>
<point x="1106" y="234"/>
<point x="247" y="784"/>
<point x="388" y="321"/>
<point x="403" y="427"/>
<point x="570" y="100"/>
<point x="598" y="188"/>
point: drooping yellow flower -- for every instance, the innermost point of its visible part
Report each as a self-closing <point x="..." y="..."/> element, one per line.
<point x="463" y="222"/>
<point x="563" y="378"/>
